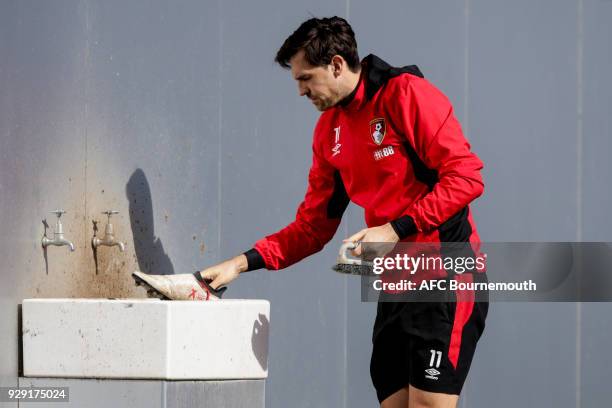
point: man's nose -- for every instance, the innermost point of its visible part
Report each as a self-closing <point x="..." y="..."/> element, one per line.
<point x="302" y="90"/>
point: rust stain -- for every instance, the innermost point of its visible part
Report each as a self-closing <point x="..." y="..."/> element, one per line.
<point x="73" y="274"/>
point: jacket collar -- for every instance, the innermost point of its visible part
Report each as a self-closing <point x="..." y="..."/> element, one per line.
<point x="374" y="75"/>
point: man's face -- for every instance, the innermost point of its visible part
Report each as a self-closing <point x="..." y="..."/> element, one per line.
<point x="319" y="84"/>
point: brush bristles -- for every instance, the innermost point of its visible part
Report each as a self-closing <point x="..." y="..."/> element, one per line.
<point x="353" y="269"/>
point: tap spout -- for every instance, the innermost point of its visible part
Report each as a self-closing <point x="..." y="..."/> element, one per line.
<point x="58" y="235"/>
<point x="57" y="241"/>
<point x="109" y="235"/>
<point x="109" y="241"/>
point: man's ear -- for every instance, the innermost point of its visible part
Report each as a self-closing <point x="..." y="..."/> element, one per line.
<point x="338" y="65"/>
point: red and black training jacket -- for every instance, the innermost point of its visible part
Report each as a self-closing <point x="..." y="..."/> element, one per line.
<point x="394" y="148"/>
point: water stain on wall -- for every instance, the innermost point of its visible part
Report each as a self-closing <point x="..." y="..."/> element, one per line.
<point x="104" y="272"/>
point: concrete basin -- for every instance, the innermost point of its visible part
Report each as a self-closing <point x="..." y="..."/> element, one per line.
<point x="145" y="338"/>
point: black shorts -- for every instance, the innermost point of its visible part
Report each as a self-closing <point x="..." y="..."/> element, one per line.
<point x="427" y="345"/>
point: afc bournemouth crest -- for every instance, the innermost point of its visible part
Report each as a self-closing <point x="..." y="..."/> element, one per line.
<point x="378" y="128"/>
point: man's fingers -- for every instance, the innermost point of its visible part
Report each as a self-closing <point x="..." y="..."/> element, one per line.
<point x="216" y="284"/>
<point x="213" y="277"/>
<point x="357" y="237"/>
<point x="208" y="274"/>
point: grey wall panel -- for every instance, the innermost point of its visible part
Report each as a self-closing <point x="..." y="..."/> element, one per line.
<point x="522" y="104"/>
<point x="266" y="137"/>
<point x="360" y="317"/>
<point x="430" y="34"/>
<point x="522" y="107"/>
<point x="75" y="136"/>
<point x="595" y="328"/>
<point x="596" y="194"/>
<point x="266" y="128"/>
<point x="8" y="341"/>
<point x="359" y="391"/>
<point x="41" y="107"/>
<point x="152" y="132"/>
<point x="596" y="105"/>
<point x="528" y="347"/>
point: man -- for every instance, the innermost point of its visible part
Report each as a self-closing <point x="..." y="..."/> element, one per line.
<point x="388" y="141"/>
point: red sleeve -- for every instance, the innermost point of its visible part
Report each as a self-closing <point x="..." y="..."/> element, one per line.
<point x="436" y="136"/>
<point x="316" y="221"/>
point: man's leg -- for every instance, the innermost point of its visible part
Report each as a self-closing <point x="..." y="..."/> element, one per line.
<point x="425" y="399"/>
<point x="411" y="397"/>
<point x="429" y="346"/>
<point x="399" y="399"/>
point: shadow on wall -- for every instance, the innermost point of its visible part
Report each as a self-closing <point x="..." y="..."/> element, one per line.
<point x="149" y="250"/>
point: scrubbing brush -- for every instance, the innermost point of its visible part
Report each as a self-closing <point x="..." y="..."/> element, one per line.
<point x="350" y="265"/>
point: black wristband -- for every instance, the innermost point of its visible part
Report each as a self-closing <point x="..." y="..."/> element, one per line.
<point x="404" y="226"/>
<point x="254" y="260"/>
<point x="206" y="286"/>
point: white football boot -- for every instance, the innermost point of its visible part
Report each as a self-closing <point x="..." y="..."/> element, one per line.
<point x="177" y="287"/>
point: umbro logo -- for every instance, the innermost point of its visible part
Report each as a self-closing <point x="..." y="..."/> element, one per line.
<point x="432" y="373"/>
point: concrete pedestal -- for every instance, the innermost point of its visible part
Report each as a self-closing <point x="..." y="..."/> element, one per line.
<point x="92" y="393"/>
<point x="145" y="339"/>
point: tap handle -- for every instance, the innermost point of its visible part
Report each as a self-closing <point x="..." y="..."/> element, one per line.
<point x="58" y="213"/>
<point x="58" y="224"/>
<point x="110" y="212"/>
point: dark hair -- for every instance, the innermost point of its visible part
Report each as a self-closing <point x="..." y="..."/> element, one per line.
<point x="321" y="39"/>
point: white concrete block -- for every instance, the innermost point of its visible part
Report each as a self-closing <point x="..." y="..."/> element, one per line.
<point x="145" y="338"/>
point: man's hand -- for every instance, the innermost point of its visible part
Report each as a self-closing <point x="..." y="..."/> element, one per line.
<point x="225" y="272"/>
<point x="383" y="234"/>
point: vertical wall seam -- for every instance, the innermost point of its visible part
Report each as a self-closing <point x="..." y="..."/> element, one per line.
<point x="347" y="10"/>
<point x="579" y="127"/>
<point x="87" y="95"/>
<point x="220" y="124"/>
<point x="345" y="345"/>
<point x="345" y="331"/>
<point x="466" y="103"/>
<point x="466" y="69"/>
<point x="579" y="173"/>
<point x="345" y="284"/>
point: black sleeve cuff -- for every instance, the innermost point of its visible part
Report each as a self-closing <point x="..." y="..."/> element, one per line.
<point x="254" y="260"/>
<point x="404" y="226"/>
